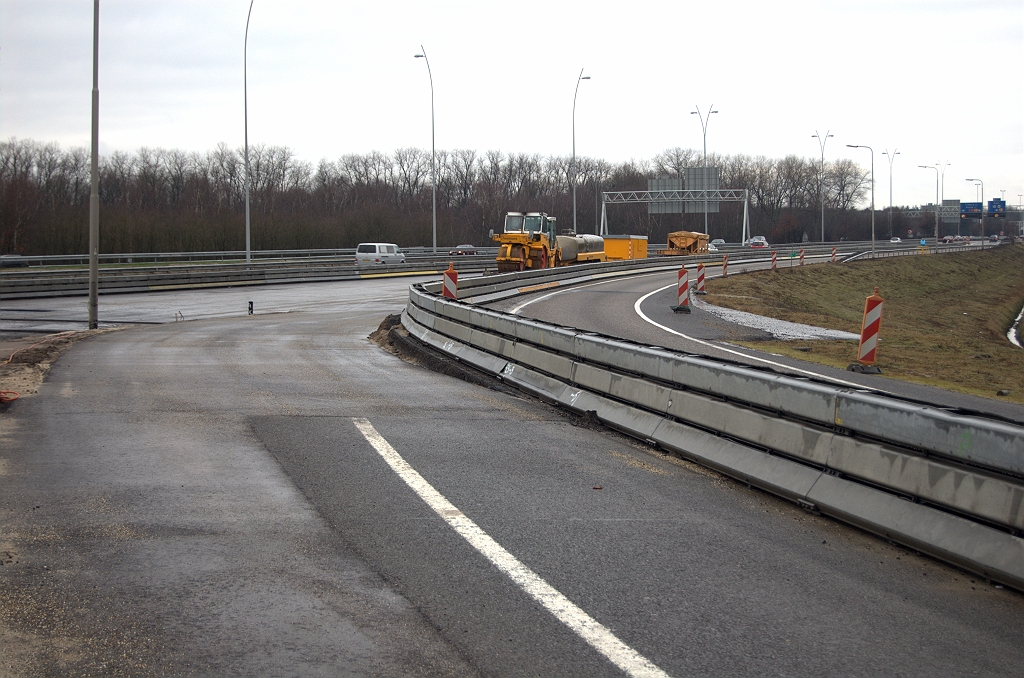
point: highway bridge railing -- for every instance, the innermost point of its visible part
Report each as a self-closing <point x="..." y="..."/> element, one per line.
<point x="945" y="482"/>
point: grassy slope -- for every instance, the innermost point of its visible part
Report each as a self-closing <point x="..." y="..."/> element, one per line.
<point x="943" y="314"/>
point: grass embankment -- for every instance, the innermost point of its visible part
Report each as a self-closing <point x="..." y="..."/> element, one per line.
<point x="944" y="322"/>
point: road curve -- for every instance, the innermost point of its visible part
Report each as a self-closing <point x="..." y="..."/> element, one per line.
<point x="202" y="497"/>
<point x="638" y="308"/>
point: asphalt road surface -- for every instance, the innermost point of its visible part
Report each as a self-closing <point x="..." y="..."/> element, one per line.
<point x="202" y="497"/>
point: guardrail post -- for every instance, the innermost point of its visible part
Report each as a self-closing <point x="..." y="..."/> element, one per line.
<point x="870" y="325"/>
<point x="683" y="291"/>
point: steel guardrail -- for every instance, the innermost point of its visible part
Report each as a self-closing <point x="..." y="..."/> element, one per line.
<point x="18" y="284"/>
<point x="32" y="282"/>
<point x="855" y="454"/>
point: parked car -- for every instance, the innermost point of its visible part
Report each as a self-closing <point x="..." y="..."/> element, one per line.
<point x="757" y="242"/>
<point x="894" y="239"/>
<point x="462" y="250"/>
<point x="378" y="254"/>
<point x="717" y="242"/>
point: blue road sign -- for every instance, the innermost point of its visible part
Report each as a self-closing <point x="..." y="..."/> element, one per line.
<point x="997" y="208"/>
<point x="970" y="210"/>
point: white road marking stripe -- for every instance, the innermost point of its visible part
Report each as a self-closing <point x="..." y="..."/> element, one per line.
<point x="520" y="307"/>
<point x="582" y="624"/>
<point x="636" y="307"/>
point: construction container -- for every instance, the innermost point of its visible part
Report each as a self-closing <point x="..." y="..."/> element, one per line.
<point x="623" y="247"/>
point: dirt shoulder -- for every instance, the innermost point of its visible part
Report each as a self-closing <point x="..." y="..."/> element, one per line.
<point x="944" y="322"/>
<point x="25" y="360"/>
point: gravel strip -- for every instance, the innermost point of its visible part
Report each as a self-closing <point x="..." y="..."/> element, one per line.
<point x="780" y="329"/>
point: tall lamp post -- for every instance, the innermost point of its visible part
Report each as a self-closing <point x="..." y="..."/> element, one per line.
<point x="891" y="156"/>
<point x="94" y="176"/>
<point x="433" y="169"/>
<point x="1020" y="206"/>
<point x="982" y="183"/>
<point x="245" y="90"/>
<point x="872" y="194"/>
<point x="936" y="168"/>
<point x="821" y="176"/>
<point x="573" y="169"/>
<point x="942" y="194"/>
<point x="704" y="126"/>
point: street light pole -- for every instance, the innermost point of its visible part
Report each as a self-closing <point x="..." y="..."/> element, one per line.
<point x="891" y="157"/>
<point x="1020" y="206"/>
<point x="94" y="176"/>
<point x="872" y="194"/>
<point x="982" y="209"/>
<point x="821" y="177"/>
<point x="572" y="170"/>
<point x="942" y="194"/>
<point x="245" y="90"/>
<point x="936" y="168"/>
<point x="704" y="126"/>
<point x="433" y="153"/>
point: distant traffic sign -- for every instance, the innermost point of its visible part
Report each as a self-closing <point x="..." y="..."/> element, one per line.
<point x="970" y="210"/>
<point x="997" y="208"/>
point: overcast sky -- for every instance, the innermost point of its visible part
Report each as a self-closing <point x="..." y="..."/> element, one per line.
<point x="937" y="81"/>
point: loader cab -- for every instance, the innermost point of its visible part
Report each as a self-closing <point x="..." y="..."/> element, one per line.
<point x="532" y="223"/>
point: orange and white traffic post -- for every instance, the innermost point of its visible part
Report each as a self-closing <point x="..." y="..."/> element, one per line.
<point x="801" y="256"/>
<point x="683" y="291"/>
<point x="833" y="255"/>
<point x="775" y="260"/>
<point x="450" y="288"/>
<point x="700" y="280"/>
<point x="870" y="326"/>
<point x="725" y="265"/>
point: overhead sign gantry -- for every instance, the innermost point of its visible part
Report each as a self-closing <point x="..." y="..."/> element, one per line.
<point x="676" y="196"/>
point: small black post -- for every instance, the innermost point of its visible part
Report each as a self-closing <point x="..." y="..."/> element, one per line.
<point x="250" y="308"/>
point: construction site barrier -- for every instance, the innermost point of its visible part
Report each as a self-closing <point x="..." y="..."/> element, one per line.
<point x="682" y="291"/>
<point x="451" y="283"/>
<point x="871" y="323"/>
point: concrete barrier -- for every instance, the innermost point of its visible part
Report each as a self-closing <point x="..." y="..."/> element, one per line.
<point x="855" y="455"/>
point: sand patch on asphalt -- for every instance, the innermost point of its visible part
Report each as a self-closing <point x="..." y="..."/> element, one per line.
<point x="24" y="369"/>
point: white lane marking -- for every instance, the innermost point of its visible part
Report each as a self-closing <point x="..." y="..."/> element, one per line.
<point x="515" y="310"/>
<point x="582" y="624"/>
<point x="636" y="307"/>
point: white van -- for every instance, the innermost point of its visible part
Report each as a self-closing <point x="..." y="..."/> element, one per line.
<point x="378" y="254"/>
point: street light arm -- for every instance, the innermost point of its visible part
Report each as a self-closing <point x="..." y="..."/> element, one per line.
<point x="433" y="153"/>
<point x="572" y="170"/>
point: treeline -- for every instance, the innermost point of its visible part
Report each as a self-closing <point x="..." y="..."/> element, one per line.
<point x="157" y="200"/>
